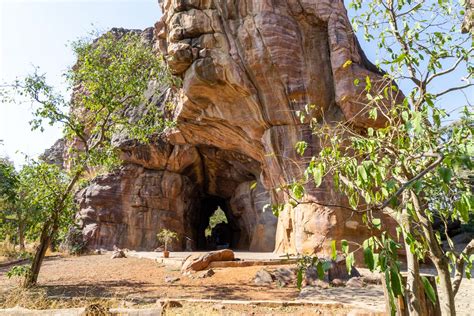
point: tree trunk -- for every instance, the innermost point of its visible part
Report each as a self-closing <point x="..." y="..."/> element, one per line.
<point x="448" y="306"/>
<point x="49" y="230"/>
<point x="413" y="284"/>
<point x="45" y="239"/>
<point x="439" y="259"/>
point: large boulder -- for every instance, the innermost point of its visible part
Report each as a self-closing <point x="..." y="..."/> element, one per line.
<point x="200" y="262"/>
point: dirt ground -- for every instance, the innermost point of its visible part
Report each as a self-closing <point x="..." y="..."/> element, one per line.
<point x="74" y="281"/>
<point x="135" y="279"/>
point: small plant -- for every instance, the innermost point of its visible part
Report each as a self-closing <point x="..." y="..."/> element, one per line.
<point x="20" y="272"/>
<point x="166" y="236"/>
<point x="307" y="262"/>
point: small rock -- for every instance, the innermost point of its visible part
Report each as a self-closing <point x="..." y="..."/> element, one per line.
<point x="218" y="307"/>
<point x="337" y="282"/>
<point x="171" y="279"/>
<point x="118" y="253"/>
<point x="169" y="304"/>
<point x="338" y="270"/>
<point x="263" y="277"/>
<point x="355" y="282"/>
<point x="97" y="252"/>
<point x="372" y="279"/>
<point x="321" y="284"/>
<point x="285" y="276"/>
<point x="311" y="276"/>
<point x="463" y="238"/>
<point x="205" y="274"/>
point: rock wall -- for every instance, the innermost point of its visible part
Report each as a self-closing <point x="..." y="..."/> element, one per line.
<point x="247" y="68"/>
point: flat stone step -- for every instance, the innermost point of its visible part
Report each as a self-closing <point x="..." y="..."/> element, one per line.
<point x="249" y="263"/>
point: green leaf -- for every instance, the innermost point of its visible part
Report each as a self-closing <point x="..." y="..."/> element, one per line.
<point x="373" y="113"/>
<point x="362" y="173"/>
<point x="368" y="83"/>
<point x="377" y="223"/>
<point x="318" y="175"/>
<point x="399" y="58"/>
<point x="416" y="123"/>
<point x="333" y="250"/>
<point x="298" y="190"/>
<point x="369" y="258"/>
<point x="253" y="185"/>
<point x="345" y="246"/>
<point x="349" y="262"/>
<point x="301" y="147"/>
<point x="464" y="206"/>
<point x="430" y="292"/>
<point x="446" y="174"/>
<point x="299" y="278"/>
<point x="396" y="282"/>
<point x="320" y="269"/>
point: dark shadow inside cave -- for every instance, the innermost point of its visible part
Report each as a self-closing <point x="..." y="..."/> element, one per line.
<point x="223" y="235"/>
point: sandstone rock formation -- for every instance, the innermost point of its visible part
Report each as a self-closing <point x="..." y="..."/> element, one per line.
<point x="197" y="262"/>
<point x="247" y="68"/>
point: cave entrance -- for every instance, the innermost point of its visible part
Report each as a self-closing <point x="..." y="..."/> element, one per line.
<point x="216" y="228"/>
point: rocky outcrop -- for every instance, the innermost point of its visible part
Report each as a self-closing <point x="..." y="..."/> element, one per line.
<point x="247" y="68"/>
<point x="55" y="154"/>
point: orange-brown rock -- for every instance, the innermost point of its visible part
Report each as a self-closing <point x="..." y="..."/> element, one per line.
<point x="248" y="68"/>
<point x="200" y="262"/>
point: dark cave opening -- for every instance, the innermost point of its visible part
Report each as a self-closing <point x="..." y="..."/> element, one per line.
<point x="223" y="235"/>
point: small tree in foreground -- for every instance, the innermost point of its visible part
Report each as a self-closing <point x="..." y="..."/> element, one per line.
<point x="415" y="169"/>
<point x="166" y="236"/>
<point x="109" y="80"/>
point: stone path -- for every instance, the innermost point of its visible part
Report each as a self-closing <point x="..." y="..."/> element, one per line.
<point x="177" y="258"/>
<point x="18" y="311"/>
<point x="181" y="255"/>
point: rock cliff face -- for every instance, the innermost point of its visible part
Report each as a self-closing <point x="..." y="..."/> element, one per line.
<point x="247" y="67"/>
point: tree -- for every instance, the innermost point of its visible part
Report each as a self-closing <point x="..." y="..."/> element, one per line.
<point x="413" y="169"/>
<point x="10" y="212"/>
<point x="166" y="236"/>
<point x="108" y="83"/>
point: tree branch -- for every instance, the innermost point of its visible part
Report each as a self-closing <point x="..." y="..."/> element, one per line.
<point x="453" y="89"/>
<point x="460" y="262"/>
<point x="417" y="177"/>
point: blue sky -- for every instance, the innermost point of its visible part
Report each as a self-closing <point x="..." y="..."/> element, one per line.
<point x="36" y="32"/>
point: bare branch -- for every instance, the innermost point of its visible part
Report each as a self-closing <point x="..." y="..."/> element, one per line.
<point x="460" y="266"/>
<point x="453" y="89"/>
<point x="452" y="68"/>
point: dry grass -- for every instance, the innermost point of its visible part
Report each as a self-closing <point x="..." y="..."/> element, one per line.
<point x="8" y="250"/>
<point x="37" y="298"/>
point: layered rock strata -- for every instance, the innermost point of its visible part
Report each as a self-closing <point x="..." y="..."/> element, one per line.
<point x="248" y="68"/>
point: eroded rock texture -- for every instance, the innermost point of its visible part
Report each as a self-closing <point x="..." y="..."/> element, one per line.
<point x="247" y="67"/>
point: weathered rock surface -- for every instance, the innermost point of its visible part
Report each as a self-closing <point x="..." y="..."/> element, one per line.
<point x="247" y="67"/>
<point x="263" y="277"/>
<point x="200" y="262"/>
<point x="55" y="154"/>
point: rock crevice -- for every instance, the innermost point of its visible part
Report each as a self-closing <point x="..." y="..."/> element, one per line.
<point x="247" y="67"/>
